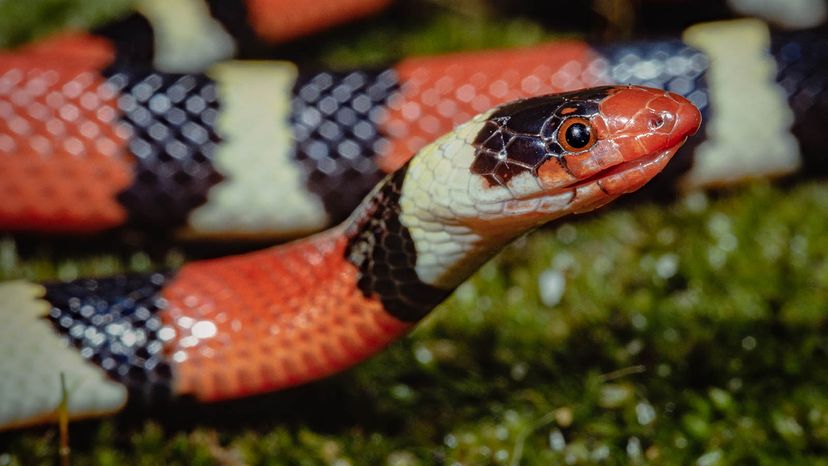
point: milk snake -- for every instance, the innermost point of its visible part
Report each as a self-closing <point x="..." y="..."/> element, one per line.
<point x="235" y="326"/>
<point x="251" y="149"/>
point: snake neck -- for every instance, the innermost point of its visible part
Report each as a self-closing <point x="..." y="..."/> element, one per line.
<point x="383" y="251"/>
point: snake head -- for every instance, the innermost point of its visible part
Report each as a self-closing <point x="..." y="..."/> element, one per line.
<point x="585" y="147"/>
<point x="531" y="161"/>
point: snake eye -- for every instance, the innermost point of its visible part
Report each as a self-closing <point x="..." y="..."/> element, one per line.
<point x="576" y="135"/>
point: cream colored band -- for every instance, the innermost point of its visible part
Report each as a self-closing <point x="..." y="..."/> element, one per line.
<point x="747" y="133"/>
<point x="187" y="37"/>
<point x="264" y="189"/>
<point x="35" y="356"/>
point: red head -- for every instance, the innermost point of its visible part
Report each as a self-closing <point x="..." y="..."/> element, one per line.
<point x="613" y="139"/>
<point x="640" y="126"/>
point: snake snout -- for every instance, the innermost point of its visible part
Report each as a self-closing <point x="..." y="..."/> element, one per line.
<point x="644" y="121"/>
<point x="688" y="117"/>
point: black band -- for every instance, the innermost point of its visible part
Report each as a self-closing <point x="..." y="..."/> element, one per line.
<point x="335" y="118"/>
<point x="171" y="118"/>
<point x="382" y="249"/>
<point x="114" y="323"/>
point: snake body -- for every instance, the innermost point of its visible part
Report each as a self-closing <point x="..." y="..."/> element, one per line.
<point x="188" y="35"/>
<point x="266" y="320"/>
<point x="90" y="144"/>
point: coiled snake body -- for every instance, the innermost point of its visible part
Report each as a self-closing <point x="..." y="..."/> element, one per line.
<point x="236" y="326"/>
<point x="264" y="149"/>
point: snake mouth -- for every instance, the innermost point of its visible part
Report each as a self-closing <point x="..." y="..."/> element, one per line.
<point x="618" y="179"/>
<point x="630" y="175"/>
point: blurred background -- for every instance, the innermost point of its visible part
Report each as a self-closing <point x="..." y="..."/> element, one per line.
<point x="676" y="329"/>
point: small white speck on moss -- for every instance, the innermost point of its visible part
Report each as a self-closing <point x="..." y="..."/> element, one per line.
<point x="634" y="448"/>
<point x="644" y="413"/>
<point x="501" y="455"/>
<point x="696" y="201"/>
<point x="551" y="286"/>
<point x="423" y="355"/>
<point x="710" y="458"/>
<point x="557" y="442"/>
<point x="667" y="265"/>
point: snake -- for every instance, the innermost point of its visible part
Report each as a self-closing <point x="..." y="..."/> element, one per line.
<point x="188" y="35"/>
<point x="236" y="326"/>
<point x="90" y="142"/>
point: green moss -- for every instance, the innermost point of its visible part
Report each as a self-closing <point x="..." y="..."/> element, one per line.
<point x="439" y="32"/>
<point x="24" y="20"/>
<point x="691" y="332"/>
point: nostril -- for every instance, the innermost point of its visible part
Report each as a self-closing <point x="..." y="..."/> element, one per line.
<point x="656" y="122"/>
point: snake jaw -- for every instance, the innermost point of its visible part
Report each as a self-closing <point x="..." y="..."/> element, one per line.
<point x="630" y="176"/>
<point x="591" y="193"/>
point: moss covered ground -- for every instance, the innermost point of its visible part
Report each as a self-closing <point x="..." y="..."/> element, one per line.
<point x="684" y="332"/>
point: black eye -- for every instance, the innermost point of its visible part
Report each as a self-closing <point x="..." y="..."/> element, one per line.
<point x="575" y="135"/>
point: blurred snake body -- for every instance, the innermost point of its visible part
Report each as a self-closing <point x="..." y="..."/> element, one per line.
<point x="91" y="140"/>
<point x="230" y="327"/>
